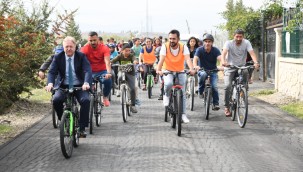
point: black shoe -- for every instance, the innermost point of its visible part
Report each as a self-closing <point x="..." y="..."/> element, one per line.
<point x="82" y="134"/>
<point x="160" y="97"/>
<point x="216" y="107"/>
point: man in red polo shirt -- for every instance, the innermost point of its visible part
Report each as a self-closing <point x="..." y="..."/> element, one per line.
<point x="98" y="56"/>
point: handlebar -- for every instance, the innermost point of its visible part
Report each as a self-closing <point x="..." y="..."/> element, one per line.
<point x="67" y="90"/>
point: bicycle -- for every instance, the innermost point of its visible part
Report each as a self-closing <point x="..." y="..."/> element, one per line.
<point x="190" y="92"/>
<point x="125" y="92"/>
<point x="238" y="101"/>
<point x="69" y="126"/>
<point x="208" y="94"/>
<point x="149" y="80"/>
<point x="175" y="106"/>
<point x="96" y="104"/>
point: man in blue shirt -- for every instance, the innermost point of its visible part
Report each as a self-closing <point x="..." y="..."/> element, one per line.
<point x="208" y="57"/>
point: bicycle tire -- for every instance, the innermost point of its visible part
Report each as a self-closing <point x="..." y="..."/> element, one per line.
<point x="179" y="98"/>
<point x="98" y="111"/>
<point x="91" y="113"/>
<point x="76" y="134"/>
<point x="123" y="103"/>
<point x="66" y="136"/>
<point x="207" y="101"/>
<point x="173" y="114"/>
<point x="242" y="107"/>
<point x="192" y="94"/>
<point x="166" y="114"/>
<point x="129" y="113"/>
<point x="54" y="117"/>
<point x="233" y="104"/>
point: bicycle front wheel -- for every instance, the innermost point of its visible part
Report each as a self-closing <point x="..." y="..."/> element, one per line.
<point x="124" y="103"/>
<point x="91" y="113"/>
<point x="192" y="94"/>
<point x="242" y="107"/>
<point x="207" y="98"/>
<point x="179" y="109"/>
<point x="66" y="134"/>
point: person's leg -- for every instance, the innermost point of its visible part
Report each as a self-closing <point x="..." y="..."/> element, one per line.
<point x="58" y="100"/>
<point x="202" y="76"/>
<point x="107" y="87"/>
<point x="84" y="101"/>
<point x="144" y="76"/>
<point x="214" y="84"/>
<point x="228" y="76"/>
<point x="168" y="83"/>
<point x="182" y="81"/>
<point x="131" y="81"/>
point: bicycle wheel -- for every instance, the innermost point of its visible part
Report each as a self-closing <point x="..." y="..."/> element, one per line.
<point x="98" y="110"/>
<point x="54" y="117"/>
<point x="66" y="134"/>
<point x="233" y="103"/>
<point x="173" y="114"/>
<point x="242" y="107"/>
<point x="128" y="101"/>
<point x="192" y="94"/>
<point x="76" y="134"/>
<point x="166" y="114"/>
<point x="207" y="101"/>
<point x="179" y="109"/>
<point x="149" y="86"/>
<point x="123" y="103"/>
<point x="91" y="113"/>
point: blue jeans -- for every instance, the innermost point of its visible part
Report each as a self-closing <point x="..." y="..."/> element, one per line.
<point x="213" y="81"/>
<point x="106" y="82"/>
<point x="168" y="84"/>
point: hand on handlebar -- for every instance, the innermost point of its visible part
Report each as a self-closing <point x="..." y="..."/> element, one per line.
<point x="49" y="87"/>
<point x="159" y="72"/>
<point x="85" y="86"/>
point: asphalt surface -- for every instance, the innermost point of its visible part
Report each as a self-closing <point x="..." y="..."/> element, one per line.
<point x="271" y="141"/>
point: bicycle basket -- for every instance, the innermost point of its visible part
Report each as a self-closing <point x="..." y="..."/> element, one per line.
<point x="126" y="68"/>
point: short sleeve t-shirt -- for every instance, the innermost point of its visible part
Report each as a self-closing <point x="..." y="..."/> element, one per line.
<point x="96" y="56"/>
<point x="237" y="54"/>
<point x="137" y="50"/>
<point x="208" y="60"/>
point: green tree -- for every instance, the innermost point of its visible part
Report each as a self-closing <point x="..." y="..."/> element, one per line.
<point x="72" y="29"/>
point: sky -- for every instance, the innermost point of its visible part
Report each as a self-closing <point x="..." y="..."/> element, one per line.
<point x="163" y="15"/>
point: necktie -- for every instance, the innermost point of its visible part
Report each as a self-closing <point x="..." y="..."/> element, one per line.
<point x="70" y="74"/>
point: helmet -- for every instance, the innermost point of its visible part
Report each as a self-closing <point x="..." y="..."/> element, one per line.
<point x="59" y="49"/>
<point x="111" y="45"/>
<point x="208" y="37"/>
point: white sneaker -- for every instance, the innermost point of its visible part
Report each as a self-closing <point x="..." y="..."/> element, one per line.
<point x="118" y="93"/>
<point x="185" y="119"/>
<point x="165" y="100"/>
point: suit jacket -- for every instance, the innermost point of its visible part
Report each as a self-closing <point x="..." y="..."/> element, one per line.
<point x="81" y="64"/>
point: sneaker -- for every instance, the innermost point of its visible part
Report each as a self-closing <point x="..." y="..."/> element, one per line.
<point x="160" y="97"/>
<point x="137" y="102"/>
<point x="106" y="102"/>
<point x="216" y="107"/>
<point x="133" y="109"/>
<point x="185" y="119"/>
<point x="82" y="134"/>
<point x="201" y="96"/>
<point x="118" y="93"/>
<point x="165" y="100"/>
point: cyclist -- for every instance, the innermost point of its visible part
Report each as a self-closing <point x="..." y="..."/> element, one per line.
<point x="172" y="56"/>
<point x="208" y="55"/>
<point x="127" y="58"/>
<point x="80" y="75"/>
<point x="113" y="54"/>
<point x="236" y="51"/>
<point x="48" y="62"/>
<point x="147" y="55"/>
<point x="98" y="56"/>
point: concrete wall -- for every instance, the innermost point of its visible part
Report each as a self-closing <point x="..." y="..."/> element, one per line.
<point x="289" y="72"/>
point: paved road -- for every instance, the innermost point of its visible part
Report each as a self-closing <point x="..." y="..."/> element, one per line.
<point x="271" y="141"/>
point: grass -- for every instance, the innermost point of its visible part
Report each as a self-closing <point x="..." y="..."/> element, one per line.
<point x="262" y="93"/>
<point x="5" y="128"/>
<point x="38" y="95"/>
<point x="295" y="109"/>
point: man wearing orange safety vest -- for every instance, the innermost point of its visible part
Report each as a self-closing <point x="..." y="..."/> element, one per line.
<point x="172" y="57"/>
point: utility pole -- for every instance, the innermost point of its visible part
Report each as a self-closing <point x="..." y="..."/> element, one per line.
<point x="147" y="18"/>
<point x="187" y="27"/>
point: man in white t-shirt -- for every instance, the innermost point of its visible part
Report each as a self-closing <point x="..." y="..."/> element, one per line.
<point x="236" y="51"/>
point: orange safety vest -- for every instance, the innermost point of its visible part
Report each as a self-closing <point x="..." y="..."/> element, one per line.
<point x="174" y="63"/>
<point x="149" y="58"/>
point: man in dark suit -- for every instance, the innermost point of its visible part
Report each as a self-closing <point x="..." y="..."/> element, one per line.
<point x="73" y="70"/>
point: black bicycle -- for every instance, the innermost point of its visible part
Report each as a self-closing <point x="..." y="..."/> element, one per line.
<point x="208" y="94"/>
<point x="96" y="104"/>
<point x="238" y="101"/>
<point x="175" y="106"/>
<point x="69" y="126"/>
